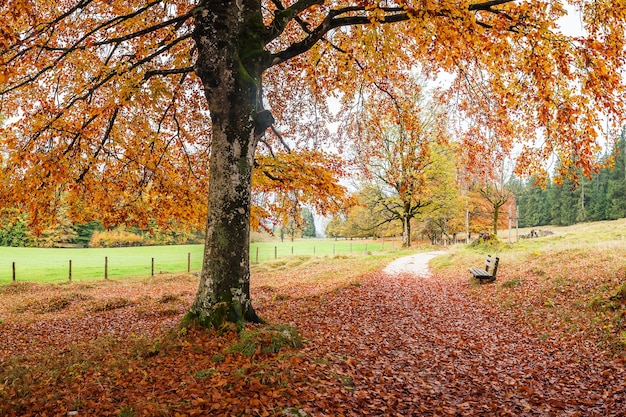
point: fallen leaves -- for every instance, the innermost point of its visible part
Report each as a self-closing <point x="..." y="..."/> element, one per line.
<point x="393" y="346"/>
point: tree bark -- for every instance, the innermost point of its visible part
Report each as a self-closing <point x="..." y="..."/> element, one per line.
<point x="406" y="232"/>
<point x="229" y="63"/>
<point x="496" y="215"/>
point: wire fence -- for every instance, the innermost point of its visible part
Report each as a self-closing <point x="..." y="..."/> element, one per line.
<point x="271" y="251"/>
<point x="55" y="265"/>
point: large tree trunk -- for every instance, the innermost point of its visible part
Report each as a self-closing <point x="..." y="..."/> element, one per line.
<point x="406" y="232"/>
<point x="231" y="79"/>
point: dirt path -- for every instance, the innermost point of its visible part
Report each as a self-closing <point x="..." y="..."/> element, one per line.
<point x="414" y="264"/>
<point x="423" y="347"/>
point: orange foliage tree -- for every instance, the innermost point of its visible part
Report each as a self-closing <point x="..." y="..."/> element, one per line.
<point x="141" y="108"/>
<point x="399" y="152"/>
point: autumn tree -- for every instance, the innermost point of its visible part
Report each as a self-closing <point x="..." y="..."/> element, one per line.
<point x="497" y="195"/>
<point x="401" y="132"/>
<point x="335" y="226"/>
<point x="364" y="217"/>
<point x="139" y="110"/>
<point x="445" y="216"/>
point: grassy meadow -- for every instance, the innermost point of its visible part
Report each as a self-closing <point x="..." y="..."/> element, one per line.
<point x="46" y="265"/>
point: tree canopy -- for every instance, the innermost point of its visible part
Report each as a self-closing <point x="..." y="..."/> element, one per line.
<point x="132" y="110"/>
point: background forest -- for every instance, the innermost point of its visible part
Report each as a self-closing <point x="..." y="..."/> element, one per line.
<point x="603" y="197"/>
<point x="459" y="205"/>
<point x="474" y="205"/>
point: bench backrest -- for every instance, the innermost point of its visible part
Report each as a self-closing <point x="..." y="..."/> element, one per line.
<point x="491" y="264"/>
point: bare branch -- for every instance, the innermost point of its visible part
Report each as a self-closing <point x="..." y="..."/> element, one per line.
<point x="284" y="15"/>
<point x="282" y="140"/>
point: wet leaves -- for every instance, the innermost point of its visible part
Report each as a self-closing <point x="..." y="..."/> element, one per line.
<point x="394" y="345"/>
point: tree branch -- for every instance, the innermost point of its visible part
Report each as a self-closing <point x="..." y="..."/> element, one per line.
<point x="349" y="16"/>
<point x="152" y="73"/>
<point x="147" y="30"/>
<point x="284" y="15"/>
<point x="104" y="140"/>
<point x="334" y="20"/>
<point x="487" y="5"/>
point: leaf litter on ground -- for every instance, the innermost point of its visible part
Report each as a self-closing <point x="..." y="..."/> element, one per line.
<point x="377" y="344"/>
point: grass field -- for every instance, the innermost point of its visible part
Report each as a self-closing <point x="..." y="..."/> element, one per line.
<point x="46" y="265"/>
<point x="52" y="265"/>
<point x="573" y="279"/>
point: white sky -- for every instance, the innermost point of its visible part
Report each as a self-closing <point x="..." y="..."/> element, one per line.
<point x="571" y="24"/>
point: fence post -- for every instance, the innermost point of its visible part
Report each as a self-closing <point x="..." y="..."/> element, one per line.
<point x="350" y="247"/>
<point x="106" y="267"/>
<point x="70" y="270"/>
<point x="333" y="248"/>
<point x="275" y="252"/>
<point x="13" y="271"/>
<point x="313" y="250"/>
<point x="366" y="248"/>
<point x="292" y="250"/>
<point x="257" y="254"/>
<point x="188" y="262"/>
<point x="152" y="267"/>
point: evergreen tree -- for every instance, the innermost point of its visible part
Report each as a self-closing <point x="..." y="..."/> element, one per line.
<point x="598" y="195"/>
<point x="308" y="223"/>
<point x="533" y="205"/>
<point x="616" y="188"/>
<point x="85" y="231"/>
<point x="582" y="207"/>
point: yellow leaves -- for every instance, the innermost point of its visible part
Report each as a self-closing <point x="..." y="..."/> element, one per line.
<point x="284" y="183"/>
<point x="513" y="74"/>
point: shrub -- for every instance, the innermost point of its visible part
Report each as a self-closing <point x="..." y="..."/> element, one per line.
<point x="270" y="339"/>
<point x="114" y="238"/>
<point x="108" y="304"/>
<point x="488" y="242"/>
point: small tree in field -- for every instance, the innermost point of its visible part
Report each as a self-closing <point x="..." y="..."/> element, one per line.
<point x="170" y="108"/>
<point x="404" y="135"/>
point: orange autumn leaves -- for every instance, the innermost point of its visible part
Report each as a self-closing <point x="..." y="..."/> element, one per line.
<point x="106" y="117"/>
<point x="106" y="109"/>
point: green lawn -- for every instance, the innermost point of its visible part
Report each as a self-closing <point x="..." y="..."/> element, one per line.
<point x="272" y="250"/>
<point x="52" y="265"/>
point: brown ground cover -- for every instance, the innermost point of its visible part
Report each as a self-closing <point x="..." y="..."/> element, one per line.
<point x="373" y="345"/>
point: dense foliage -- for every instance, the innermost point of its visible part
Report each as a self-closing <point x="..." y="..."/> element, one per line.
<point x="133" y="110"/>
<point x="603" y="197"/>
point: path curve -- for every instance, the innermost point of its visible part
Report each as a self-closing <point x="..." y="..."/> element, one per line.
<point x="416" y="264"/>
<point x="425" y="347"/>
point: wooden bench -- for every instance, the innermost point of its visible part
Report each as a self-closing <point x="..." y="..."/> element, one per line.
<point x="489" y="273"/>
